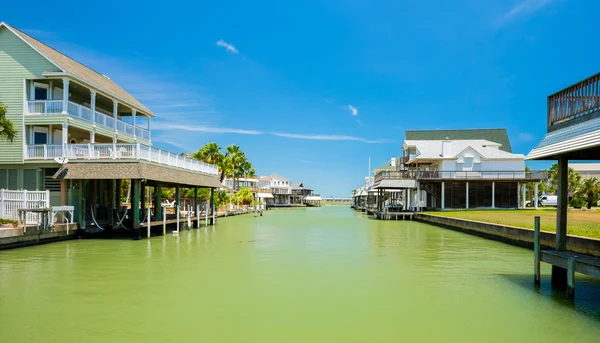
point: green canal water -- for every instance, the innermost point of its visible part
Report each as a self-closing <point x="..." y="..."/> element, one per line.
<point x="298" y="275"/>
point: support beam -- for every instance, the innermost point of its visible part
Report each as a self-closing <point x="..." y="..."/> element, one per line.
<point x="563" y="203"/>
<point x="143" y="196"/>
<point x="93" y="105"/>
<point x="118" y="195"/>
<point x="418" y="209"/>
<point x="536" y="251"/>
<point x="467" y="200"/>
<point x="135" y="208"/>
<point x="524" y="195"/>
<point x="493" y="195"/>
<point x="443" y="195"/>
<point x="212" y="206"/>
<point x="158" y="201"/>
<point x="115" y="111"/>
<point x="65" y="95"/>
<point x="535" y="196"/>
<point x="65" y="137"/>
<point x="93" y="136"/>
<point x="518" y="195"/>
<point x="64" y="191"/>
<point x="177" y="202"/>
<point x="196" y="211"/>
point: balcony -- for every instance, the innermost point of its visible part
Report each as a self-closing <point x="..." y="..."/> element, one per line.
<point x="108" y="152"/>
<point x="53" y="107"/>
<point x="577" y="101"/>
<point x="464" y="175"/>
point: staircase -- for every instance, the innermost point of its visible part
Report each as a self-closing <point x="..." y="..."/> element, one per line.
<point x="433" y="189"/>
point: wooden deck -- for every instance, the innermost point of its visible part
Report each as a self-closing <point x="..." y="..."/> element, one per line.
<point x="384" y="215"/>
<point x="570" y="261"/>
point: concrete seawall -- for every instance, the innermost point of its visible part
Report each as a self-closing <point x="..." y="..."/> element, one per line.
<point x="512" y="235"/>
<point x="35" y="239"/>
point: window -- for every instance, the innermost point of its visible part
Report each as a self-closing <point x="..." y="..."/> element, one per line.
<point x="40" y="138"/>
<point x="41" y="93"/>
<point x="468" y="163"/>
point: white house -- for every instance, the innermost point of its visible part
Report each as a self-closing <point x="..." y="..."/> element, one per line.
<point x="280" y="187"/>
<point x="465" y="173"/>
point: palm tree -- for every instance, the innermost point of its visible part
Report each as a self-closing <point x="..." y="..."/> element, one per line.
<point x="7" y="130"/>
<point x="590" y="191"/>
<point x="237" y="158"/>
<point x="210" y="153"/>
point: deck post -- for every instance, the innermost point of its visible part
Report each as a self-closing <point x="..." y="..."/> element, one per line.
<point x="493" y="195"/>
<point x="418" y="209"/>
<point x="177" y="202"/>
<point x="158" y="200"/>
<point x="148" y="221"/>
<point x="135" y="208"/>
<point x="467" y="197"/>
<point x="524" y="194"/>
<point x="563" y="203"/>
<point x="535" y="196"/>
<point x="536" y="250"/>
<point x="443" y="195"/>
<point x="518" y="195"/>
<point x="196" y="206"/>
<point x="571" y="278"/>
<point x="118" y="195"/>
<point x="164" y="219"/>
<point x="559" y="275"/>
<point x="212" y="205"/>
<point x="143" y="195"/>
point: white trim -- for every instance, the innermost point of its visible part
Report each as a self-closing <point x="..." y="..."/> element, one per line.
<point x="63" y="70"/>
<point x="106" y="93"/>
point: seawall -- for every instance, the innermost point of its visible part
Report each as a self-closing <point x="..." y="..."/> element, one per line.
<point x="512" y="235"/>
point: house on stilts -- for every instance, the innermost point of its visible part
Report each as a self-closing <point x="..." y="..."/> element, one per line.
<point x="79" y="135"/>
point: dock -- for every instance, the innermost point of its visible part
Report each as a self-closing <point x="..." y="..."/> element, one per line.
<point x="570" y="261"/>
<point x="385" y="215"/>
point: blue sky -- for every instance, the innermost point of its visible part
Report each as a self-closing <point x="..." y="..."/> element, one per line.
<point x="311" y="89"/>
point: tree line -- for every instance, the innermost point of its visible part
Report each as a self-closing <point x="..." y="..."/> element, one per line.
<point x="581" y="192"/>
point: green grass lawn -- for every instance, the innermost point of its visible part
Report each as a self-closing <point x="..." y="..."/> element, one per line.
<point x="579" y="223"/>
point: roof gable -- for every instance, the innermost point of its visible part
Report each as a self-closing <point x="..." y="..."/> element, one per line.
<point x="69" y="66"/>
<point x="499" y="136"/>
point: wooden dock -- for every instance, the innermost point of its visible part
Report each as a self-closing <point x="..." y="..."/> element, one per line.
<point x="570" y="261"/>
<point x="385" y="215"/>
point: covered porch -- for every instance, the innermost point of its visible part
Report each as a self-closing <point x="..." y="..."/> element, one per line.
<point x="95" y="190"/>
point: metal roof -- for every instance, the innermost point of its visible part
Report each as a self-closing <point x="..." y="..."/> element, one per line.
<point x="576" y="137"/>
<point x="499" y="136"/>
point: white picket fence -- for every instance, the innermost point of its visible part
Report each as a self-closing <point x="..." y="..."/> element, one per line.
<point x="12" y="201"/>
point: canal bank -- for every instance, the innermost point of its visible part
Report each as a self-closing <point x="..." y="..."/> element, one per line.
<point x="512" y="235"/>
<point x="298" y="275"/>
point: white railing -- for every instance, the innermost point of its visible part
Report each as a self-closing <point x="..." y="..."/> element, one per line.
<point x="12" y="201"/>
<point x="117" y="152"/>
<point x="86" y="113"/>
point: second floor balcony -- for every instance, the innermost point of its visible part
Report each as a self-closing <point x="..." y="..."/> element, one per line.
<point x="577" y="101"/>
<point x="461" y="175"/>
<point x="116" y="152"/>
<point x="53" y="107"/>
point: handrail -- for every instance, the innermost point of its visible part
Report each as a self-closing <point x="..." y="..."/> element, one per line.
<point x="463" y="175"/>
<point x="575" y="101"/>
<point x="98" y="151"/>
<point x="48" y="107"/>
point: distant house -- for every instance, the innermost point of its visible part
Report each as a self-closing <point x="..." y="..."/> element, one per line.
<point x="456" y="169"/>
<point x="280" y="187"/>
<point x="587" y="170"/>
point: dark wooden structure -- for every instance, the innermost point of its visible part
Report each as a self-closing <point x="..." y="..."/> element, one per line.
<point x="573" y="133"/>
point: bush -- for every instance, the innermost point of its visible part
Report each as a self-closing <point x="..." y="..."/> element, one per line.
<point x="7" y="221"/>
<point x="577" y="203"/>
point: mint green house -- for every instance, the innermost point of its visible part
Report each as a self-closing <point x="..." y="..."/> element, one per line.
<point x="72" y="118"/>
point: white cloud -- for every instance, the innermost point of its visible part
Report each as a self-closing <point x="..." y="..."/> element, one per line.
<point x="229" y="47"/>
<point x="526" y="137"/>
<point x="523" y="8"/>
<point x="328" y="137"/>
<point x="353" y="110"/>
<point x="207" y="129"/>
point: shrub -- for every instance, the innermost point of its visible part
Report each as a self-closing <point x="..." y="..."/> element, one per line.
<point x="577" y="203"/>
<point x="7" y="221"/>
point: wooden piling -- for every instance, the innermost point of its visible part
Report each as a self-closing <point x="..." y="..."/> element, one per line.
<point x="536" y="251"/>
